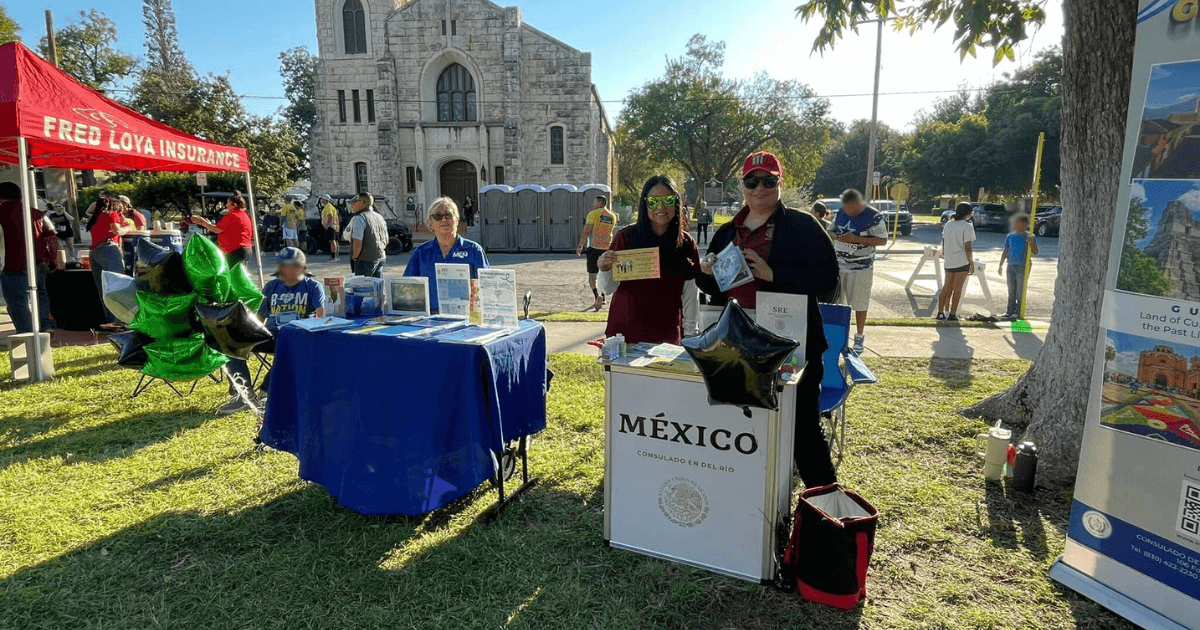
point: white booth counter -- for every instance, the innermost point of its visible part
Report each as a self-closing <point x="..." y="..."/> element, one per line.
<point x="692" y="483"/>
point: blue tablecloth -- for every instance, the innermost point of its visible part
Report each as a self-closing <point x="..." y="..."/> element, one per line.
<point x="402" y="426"/>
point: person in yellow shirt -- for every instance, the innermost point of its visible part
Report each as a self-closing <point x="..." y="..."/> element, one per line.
<point x="292" y="218"/>
<point x="332" y="224"/>
<point x="600" y="225"/>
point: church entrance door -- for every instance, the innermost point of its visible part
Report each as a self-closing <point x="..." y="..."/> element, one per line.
<point x="460" y="180"/>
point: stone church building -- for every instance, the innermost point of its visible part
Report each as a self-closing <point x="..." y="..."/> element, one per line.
<point x="1176" y="247"/>
<point x="422" y="98"/>
<point x="1164" y="368"/>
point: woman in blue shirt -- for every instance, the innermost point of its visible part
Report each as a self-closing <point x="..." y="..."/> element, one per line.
<point x="446" y="247"/>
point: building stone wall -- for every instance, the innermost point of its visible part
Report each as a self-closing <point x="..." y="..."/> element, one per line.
<point x="526" y="82"/>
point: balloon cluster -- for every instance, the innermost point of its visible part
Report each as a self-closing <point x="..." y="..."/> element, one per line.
<point x="188" y="313"/>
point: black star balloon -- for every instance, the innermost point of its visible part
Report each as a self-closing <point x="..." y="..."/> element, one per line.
<point x="161" y="268"/>
<point x="232" y="329"/>
<point x="740" y="360"/>
<point x="132" y="348"/>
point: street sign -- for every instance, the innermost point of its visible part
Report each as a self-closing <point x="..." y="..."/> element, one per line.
<point x="877" y="177"/>
<point x="900" y="191"/>
<point x="201" y="179"/>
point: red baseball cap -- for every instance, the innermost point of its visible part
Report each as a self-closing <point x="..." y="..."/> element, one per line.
<point x="762" y="160"/>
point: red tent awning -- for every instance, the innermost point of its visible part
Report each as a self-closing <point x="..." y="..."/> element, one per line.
<point x="69" y="125"/>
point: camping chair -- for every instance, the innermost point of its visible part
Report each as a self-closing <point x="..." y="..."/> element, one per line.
<point x="843" y="370"/>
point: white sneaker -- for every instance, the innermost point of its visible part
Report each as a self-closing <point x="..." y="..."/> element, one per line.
<point x="858" y="344"/>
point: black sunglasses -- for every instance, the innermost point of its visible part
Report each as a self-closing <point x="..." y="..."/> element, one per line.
<point x="768" y="181"/>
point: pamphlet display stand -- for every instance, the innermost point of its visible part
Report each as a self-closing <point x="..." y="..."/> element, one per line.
<point x="688" y="482"/>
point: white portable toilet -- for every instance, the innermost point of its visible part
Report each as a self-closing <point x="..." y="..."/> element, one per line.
<point x="529" y="211"/>
<point x="586" y="197"/>
<point x="495" y="213"/>
<point x="564" y="226"/>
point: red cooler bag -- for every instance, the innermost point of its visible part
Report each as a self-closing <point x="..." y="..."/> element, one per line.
<point x="833" y="536"/>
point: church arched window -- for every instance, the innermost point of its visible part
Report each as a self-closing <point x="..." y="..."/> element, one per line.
<point x="354" y="21"/>
<point x="456" y="95"/>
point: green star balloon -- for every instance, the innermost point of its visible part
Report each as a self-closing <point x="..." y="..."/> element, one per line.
<point x="163" y="316"/>
<point x="235" y="284"/>
<point x="203" y="262"/>
<point x="182" y="358"/>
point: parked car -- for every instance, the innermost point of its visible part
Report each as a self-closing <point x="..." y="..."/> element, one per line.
<point x="1047" y="220"/>
<point x="991" y="216"/>
<point x="886" y="207"/>
<point x="947" y="214"/>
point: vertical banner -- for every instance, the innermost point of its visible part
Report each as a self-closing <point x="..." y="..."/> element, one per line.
<point x="1133" y="543"/>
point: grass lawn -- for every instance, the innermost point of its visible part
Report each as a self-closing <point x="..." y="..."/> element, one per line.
<point x="921" y="322"/>
<point x="153" y="513"/>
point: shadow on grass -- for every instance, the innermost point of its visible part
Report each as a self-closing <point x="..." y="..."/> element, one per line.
<point x="113" y="440"/>
<point x="1016" y="519"/>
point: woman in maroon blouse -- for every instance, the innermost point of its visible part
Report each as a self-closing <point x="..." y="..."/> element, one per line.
<point x="652" y="310"/>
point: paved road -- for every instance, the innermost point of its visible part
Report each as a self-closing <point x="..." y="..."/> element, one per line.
<point x="559" y="282"/>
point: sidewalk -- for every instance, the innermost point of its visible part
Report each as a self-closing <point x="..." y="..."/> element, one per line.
<point x="918" y="342"/>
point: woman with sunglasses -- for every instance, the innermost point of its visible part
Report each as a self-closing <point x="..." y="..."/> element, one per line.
<point x="446" y="247"/>
<point x="652" y="310"/>
<point x="788" y="251"/>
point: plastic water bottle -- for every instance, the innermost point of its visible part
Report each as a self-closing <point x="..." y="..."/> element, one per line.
<point x="1026" y="466"/>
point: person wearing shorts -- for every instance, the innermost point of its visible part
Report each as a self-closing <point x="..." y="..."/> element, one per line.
<point x="857" y="230"/>
<point x="597" y="237"/>
<point x="291" y="225"/>
<point x="331" y="221"/>
<point x="957" y="237"/>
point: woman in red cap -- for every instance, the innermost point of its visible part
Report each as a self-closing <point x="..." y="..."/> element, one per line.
<point x="788" y="251"/>
<point x="651" y="310"/>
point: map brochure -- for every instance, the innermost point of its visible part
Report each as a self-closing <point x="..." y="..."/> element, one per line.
<point x="453" y="289"/>
<point x="636" y="264"/>
<point x="406" y="295"/>
<point x="335" y="296"/>
<point x="786" y="315"/>
<point x="731" y="269"/>
<point x="498" y="298"/>
<point x="314" y="324"/>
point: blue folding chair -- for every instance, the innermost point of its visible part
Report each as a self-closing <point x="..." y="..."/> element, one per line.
<point x="843" y="370"/>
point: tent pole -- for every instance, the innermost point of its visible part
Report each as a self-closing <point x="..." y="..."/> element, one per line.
<point x="254" y="222"/>
<point x="30" y="266"/>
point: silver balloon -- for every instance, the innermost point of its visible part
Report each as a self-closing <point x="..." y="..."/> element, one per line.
<point x="120" y="294"/>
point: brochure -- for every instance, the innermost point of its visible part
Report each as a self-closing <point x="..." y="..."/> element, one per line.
<point x="786" y="315"/>
<point x="335" y="296"/>
<point x="636" y="264"/>
<point x="431" y="326"/>
<point x="406" y="295"/>
<point x="471" y="334"/>
<point x="366" y="330"/>
<point x="498" y="298"/>
<point x="731" y="269"/>
<point x="364" y="297"/>
<point x="453" y="289"/>
<point x="315" y="324"/>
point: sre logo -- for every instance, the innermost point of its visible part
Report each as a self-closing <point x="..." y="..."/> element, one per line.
<point x="695" y="435"/>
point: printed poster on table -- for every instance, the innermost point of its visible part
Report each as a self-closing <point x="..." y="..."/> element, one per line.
<point x="498" y="298"/>
<point x="786" y="315"/>
<point x="453" y="289"/>
<point x="636" y="264"/>
<point x="1133" y="540"/>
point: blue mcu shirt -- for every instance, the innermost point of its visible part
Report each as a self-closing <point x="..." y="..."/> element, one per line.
<point x="424" y="258"/>
<point x="1016" y="244"/>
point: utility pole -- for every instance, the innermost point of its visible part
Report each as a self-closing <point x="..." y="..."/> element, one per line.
<point x="72" y="194"/>
<point x="867" y="191"/>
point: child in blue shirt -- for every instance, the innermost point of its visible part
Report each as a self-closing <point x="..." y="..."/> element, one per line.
<point x="1014" y="253"/>
<point x="292" y="295"/>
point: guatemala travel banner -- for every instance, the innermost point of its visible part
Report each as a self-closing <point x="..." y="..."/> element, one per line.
<point x="636" y="264"/>
<point x="1134" y="537"/>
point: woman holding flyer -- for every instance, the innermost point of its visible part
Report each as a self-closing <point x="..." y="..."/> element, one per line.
<point x="652" y="307"/>
<point x="446" y="247"/>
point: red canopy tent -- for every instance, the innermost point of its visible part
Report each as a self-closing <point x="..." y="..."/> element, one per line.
<point x="48" y="119"/>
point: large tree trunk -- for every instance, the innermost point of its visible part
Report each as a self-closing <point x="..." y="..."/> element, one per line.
<point x="1051" y="399"/>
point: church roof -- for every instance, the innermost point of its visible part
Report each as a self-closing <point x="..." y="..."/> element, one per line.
<point x="1158" y="125"/>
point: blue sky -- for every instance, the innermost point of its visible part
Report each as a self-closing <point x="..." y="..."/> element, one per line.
<point x="1157" y="193"/>
<point x="1129" y="348"/>
<point x="628" y="40"/>
<point x="1172" y="83"/>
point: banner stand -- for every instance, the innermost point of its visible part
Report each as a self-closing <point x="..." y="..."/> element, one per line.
<point x="1136" y="613"/>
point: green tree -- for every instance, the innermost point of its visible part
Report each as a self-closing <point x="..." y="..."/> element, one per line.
<point x="1139" y="271"/>
<point x="844" y="161"/>
<point x="10" y="31"/>
<point x="943" y="157"/>
<point x="298" y="66"/>
<point x="1051" y="399"/>
<point x="86" y="51"/>
<point x="951" y="109"/>
<point x="705" y="123"/>
<point x="636" y="161"/>
<point x="164" y="57"/>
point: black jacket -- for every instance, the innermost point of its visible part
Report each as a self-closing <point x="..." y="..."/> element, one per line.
<point x="803" y="261"/>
